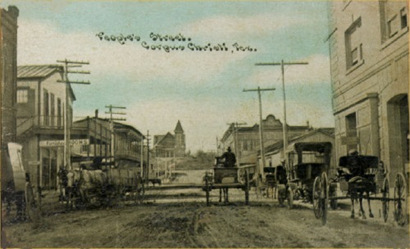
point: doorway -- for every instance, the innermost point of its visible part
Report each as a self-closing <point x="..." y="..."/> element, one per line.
<point x="398" y="132"/>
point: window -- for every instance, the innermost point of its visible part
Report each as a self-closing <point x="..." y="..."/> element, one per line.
<point x="393" y="18"/>
<point x="52" y="105"/>
<point x="403" y="18"/>
<point x="392" y="26"/>
<point x="46" y="107"/>
<point x="351" y="129"/>
<point x="22" y="96"/>
<point x="59" y="112"/>
<point x="354" y="50"/>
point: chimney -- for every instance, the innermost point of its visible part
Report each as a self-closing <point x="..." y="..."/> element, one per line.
<point x="96" y="113"/>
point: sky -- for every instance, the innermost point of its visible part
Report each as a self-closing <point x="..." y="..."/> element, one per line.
<point x="203" y="89"/>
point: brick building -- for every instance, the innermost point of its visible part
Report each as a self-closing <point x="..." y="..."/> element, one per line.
<point x="369" y="49"/>
<point x="8" y="72"/>
<point x="244" y="141"/>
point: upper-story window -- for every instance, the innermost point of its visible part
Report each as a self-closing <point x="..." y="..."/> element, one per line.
<point x="403" y="17"/>
<point x="22" y="95"/>
<point x="59" y="112"/>
<point x="354" y="49"/>
<point x="46" y="106"/>
<point x="393" y="18"/>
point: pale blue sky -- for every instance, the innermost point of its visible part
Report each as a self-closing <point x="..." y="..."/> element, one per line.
<point x="202" y="89"/>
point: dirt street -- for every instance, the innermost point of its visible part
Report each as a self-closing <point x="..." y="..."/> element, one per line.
<point x="182" y="219"/>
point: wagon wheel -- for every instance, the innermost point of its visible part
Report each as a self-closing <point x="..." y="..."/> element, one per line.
<point x="317" y="189"/>
<point x="324" y="197"/>
<point x="290" y="197"/>
<point x="400" y="200"/>
<point x="385" y="200"/>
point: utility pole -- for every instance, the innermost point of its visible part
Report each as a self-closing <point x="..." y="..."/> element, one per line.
<point x="282" y="65"/>
<point x="147" y="167"/>
<point x="142" y="156"/>
<point x="67" y="123"/>
<point x="217" y="145"/>
<point x="110" y="111"/>
<point x="261" y="142"/>
<point x="235" y="137"/>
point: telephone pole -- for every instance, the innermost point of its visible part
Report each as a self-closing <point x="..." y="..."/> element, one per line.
<point x="110" y="111"/>
<point x="142" y="156"/>
<point x="282" y="65"/>
<point x="67" y="123"/>
<point x="259" y="90"/>
<point x="147" y="166"/>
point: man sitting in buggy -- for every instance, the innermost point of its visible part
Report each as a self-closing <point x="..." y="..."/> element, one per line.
<point x="229" y="158"/>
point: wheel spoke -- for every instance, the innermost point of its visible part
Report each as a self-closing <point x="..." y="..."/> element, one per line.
<point x="385" y="201"/>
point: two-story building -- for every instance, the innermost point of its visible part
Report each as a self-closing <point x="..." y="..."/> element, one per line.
<point x="126" y="147"/>
<point x="41" y="105"/>
<point x="369" y="62"/>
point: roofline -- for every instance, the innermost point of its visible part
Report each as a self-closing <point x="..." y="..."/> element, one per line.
<point x="115" y="123"/>
<point x="57" y="67"/>
<point x="280" y="142"/>
<point x="168" y="133"/>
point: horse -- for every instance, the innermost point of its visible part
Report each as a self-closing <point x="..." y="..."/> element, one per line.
<point x="360" y="183"/>
<point x="359" y="188"/>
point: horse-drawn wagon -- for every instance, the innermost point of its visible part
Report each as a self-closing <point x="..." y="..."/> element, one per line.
<point x="359" y="172"/>
<point x="225" y="178"/>
<point x="97" y="185"/>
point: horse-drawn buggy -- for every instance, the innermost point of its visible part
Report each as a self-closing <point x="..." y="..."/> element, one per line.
<point x="306" y="161"/>
<point x="359" y="172"/>
<point x="275" y="179"/>
<point x="225" y="178"/>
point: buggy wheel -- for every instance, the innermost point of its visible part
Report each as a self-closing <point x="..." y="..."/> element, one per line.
<point x="324" y="197"/>
<point x="316" y="197"/>
<point x="385" y="201"/>
<point x="400" y="200"/>
<point x="290" y="197"/>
